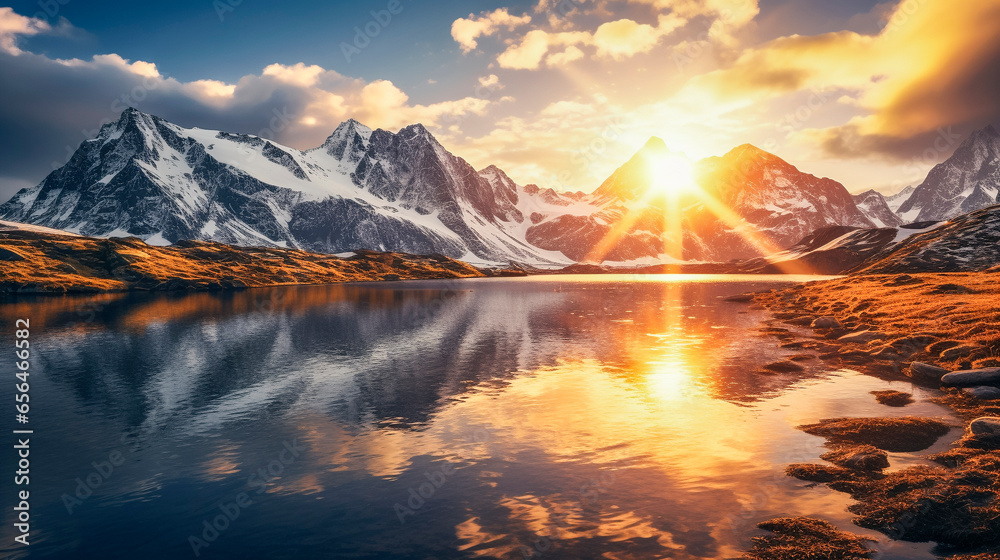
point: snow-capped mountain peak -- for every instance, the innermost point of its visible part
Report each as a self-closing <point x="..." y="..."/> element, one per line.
<point x="894" y="201"/>
<point x="348" y="142"/>
<point x="966" y="181"/>
<point x="874" y="205"/>
<point x="146" y="177"/>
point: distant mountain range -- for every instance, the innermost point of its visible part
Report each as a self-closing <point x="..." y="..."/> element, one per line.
<point x="143" y="176"/>
<point x="967" y="181"/>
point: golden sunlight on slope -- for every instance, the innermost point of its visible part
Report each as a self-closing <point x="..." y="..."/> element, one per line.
<point x="677" y="191"/>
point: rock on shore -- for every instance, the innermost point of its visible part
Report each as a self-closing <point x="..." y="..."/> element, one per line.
<point x="973" y="377"/>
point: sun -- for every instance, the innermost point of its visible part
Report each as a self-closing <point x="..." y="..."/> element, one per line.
<point x="670" y="174"/>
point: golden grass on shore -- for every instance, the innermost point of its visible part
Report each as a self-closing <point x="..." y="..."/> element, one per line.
<point x="880" y="325"/>
<point x="33" y="262"/>
<point x="951" y="320"/>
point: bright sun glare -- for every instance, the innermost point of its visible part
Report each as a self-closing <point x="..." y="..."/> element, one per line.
<point x="671" y="174"/>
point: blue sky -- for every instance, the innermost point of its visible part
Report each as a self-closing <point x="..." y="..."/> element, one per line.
<point x="858" y="90"/>
<point x="189" y="40"/>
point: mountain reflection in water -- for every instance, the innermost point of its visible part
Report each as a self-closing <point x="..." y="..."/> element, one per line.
<point x="562" y="417"/>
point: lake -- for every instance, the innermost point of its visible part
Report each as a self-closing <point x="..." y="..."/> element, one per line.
<point x="544" y="417"/>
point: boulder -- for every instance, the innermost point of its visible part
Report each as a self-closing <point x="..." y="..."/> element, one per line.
<point x="825" y="323"/>
<point x="973" y="377"/>
<point x="983" y="392"/>
<point x="986" y="428"/>
<point x="920" y="370"/>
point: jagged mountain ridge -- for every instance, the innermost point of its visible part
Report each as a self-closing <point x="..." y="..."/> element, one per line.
<point x="762" y="193"/>
<point x="147" y="177"/>
<point x="835" y="250"/>
<point x="403" y="191"/>
<point x="965" y="182"/>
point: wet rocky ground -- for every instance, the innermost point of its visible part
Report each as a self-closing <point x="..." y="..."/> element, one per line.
<point x="939" y="331"/>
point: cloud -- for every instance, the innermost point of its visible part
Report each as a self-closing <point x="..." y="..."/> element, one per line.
<point x="570" y="54"/>
<point x="614" y="40"/>
<point x="558" y="37"/>
<point x="467" y="31"/>
<point x="489" y="81"/>
<point x="13" y="25"/>
<point x="727" y="15"/>
<point x="625" y="38"/>
<point x="210" y="90"/>
<point x="52" y="105"/>
<point x="932" y="66"/>
<point x="297" y="74"/>
<point x="139" y="68"/>
<point x="529" y="53"/>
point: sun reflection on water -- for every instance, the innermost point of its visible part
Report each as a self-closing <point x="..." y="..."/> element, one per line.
<point x="607" y="417"/>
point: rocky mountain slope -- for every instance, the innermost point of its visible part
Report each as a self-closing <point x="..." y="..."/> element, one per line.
<point x="968" y="243"/>
<point x="834" y="250"/>
<point x="966" y="181"/>
<point x="143" y="176"/>
<point x="750" y="203"/>
<point x="876" y="207"/>
<point x="374" y="189"/>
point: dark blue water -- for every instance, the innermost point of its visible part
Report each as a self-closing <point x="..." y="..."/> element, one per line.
<point x="561" y="417"/>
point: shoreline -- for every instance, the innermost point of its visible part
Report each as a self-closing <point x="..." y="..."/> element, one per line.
<point x="41" y="263"/>
<point x="914" y="327"/>
<point x="880" y="325"/>
<point x="33" y="263"/>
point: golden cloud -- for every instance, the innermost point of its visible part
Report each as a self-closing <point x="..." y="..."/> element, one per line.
<point x="467" y="31"/>
<point x="12" y="25"/>
<point x="934" y="64"/>
<point x="615" y="40"/>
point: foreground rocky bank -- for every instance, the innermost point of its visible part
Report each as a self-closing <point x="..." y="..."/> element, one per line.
<point x="938" y="330"/>
<point x="44" y="263"/>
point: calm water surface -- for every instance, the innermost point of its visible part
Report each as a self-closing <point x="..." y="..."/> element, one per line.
<point x="557" y="417"/>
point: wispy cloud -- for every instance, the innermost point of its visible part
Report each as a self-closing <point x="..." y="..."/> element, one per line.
<point x="467" y="31"/>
